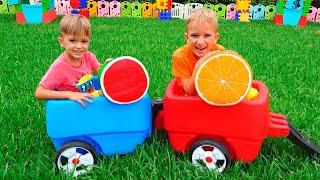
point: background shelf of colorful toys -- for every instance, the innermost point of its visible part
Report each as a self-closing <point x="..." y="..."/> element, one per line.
<point x="288" y="12"/>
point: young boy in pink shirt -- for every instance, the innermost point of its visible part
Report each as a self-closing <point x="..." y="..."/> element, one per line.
<point x="61" y="80"/>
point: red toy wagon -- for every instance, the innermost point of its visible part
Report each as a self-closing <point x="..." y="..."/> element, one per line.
<point x="214" y="135"/>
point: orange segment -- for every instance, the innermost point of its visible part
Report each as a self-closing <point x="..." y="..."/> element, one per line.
<point x="224" y="79"/>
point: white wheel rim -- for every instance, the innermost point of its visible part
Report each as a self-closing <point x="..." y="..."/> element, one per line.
<point x="213" y="158"/>
<point x="76" y="160"/>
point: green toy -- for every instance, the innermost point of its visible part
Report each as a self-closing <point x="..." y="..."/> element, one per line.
<point x="3" y="7"/>
<point x="45" y="5"/>
<point x="220" y="10"/>
<point x="280" y="7"/>
<point x="209" y="6"/>
<point x="12" y="9"/>
<point x="125" y="8"/>
<point x="136" y="9"/>
<point x="306" y="7"/>
<point x="270" y="12"/>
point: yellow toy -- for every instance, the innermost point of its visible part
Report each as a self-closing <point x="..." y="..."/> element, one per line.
<point x="93" y="8"/>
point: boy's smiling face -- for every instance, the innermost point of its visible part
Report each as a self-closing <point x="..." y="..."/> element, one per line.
<point x="202" y="37"/>
<point x="75" y="46"/>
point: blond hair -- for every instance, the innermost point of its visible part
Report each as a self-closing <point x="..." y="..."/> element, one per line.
<point x="203" y="15"/>
<point x="75" y="24"/>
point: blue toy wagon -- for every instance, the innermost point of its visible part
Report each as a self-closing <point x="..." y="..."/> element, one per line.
<point x="102" y="128"/>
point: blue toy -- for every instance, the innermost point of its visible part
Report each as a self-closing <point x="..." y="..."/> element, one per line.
<point x="102" y="128"/>
<point x="258" y="12"/>
<point x="292" y="12"/>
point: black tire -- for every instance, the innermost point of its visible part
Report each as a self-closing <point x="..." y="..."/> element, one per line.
<point x="81" y="148"/>
<point x="206" y="146"/>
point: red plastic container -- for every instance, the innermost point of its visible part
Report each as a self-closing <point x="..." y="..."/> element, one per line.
<point x="278" y="19"/>
<point x="240" y="128"/>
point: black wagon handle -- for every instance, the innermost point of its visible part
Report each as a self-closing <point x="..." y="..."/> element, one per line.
<point x="300" y="140"/>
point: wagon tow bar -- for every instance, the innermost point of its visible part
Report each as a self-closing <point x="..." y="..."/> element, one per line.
<point x="296" y="137"/>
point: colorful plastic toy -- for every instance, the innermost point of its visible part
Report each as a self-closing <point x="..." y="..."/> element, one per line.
<point x="146" y="10"/>
<point x="62" y="7"/>
<point x="83" y="4"/>
<point x="292" y="13"/>
<point x="177" y="10"/>
<point x="270" y="12"/>
<point x="164" y="15"/>
<point x="155" y="11"/>
<point x="35" y="13"/>
<point x="312" y="14"/>
<point x="258" y="12"/>
<point x="251" y="12"/>
<point x="102" y="128"/>
<point x="12" y="9"/>
<point x="92" y="6"/>
<point x="220" y="10"/>
<point x="318" y="16"/>
<point x="306" y="7"/>
<point x="164" y="4"/>
<point x="103" y="8"/>
<point x="244" y="16"/>
<point x="3" y="7"/>
<point x="124" y="80"/>
<point x="126" y="8"/>
<point x="75" y="4"/>
<point x="136" y="9"/>
<point x="115" y="8"/>
<point x="75" y="11"/>
<point x="243" y="10"/>
<point x="209" y="6"/>
<point x="191" y="7"/>
<point x="215" y="135"/>
<point x="85" y="12"/>
<point x="231" y="11"/>
<point x="224" y="79"/>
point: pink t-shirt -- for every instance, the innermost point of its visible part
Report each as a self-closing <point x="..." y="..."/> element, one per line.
<point x="62" y="76"/>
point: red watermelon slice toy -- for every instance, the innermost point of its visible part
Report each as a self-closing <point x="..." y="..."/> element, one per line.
<point x="124" y="80"/>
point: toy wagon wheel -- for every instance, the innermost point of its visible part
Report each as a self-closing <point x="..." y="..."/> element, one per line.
<point x="76" y="157"/>
<point x="211" y="154"/>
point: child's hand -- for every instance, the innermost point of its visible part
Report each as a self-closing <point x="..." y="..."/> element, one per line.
<point x="79" y="97"/>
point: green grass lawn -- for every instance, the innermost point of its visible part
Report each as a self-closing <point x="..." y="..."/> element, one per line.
<point x="287" y="59"/>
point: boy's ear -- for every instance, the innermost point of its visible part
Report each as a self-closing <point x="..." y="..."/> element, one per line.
<point x="217" y="36"/>
<point x="186" y="37"/>
<point x="60" y="40"/>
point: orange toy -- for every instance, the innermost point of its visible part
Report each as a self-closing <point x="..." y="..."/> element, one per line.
<point x="224" y="79"/>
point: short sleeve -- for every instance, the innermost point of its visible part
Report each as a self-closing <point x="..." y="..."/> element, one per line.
<point x="93" y="61"/>
<point x="52" y="79"/>
<point x="180" y="67"/>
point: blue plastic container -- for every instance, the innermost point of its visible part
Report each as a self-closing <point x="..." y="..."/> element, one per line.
<point x="164" y="15"/>
<point x="291" y="17"/>
<point x="32" y="13"/>
<point x="108" y="127"/>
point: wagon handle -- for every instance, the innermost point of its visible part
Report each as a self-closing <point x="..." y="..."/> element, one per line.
<point x="300" y="140"/>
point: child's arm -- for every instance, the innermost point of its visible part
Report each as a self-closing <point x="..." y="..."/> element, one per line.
<point x="43" y="93"/>
<point x="188" y="84"/>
